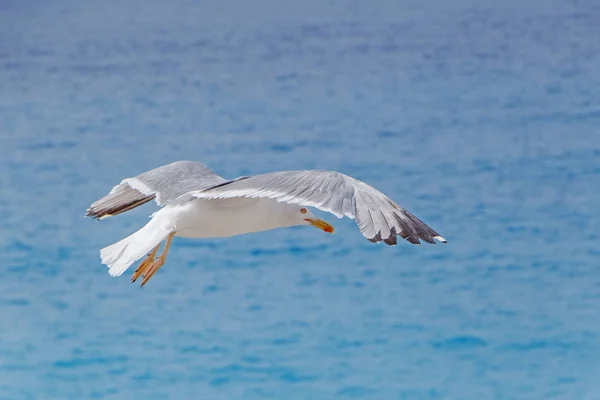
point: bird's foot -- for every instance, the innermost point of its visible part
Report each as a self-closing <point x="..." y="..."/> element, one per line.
<point x="144" y="265"/>
<point x="151" y="269"/>
<point x="152" y="264"/>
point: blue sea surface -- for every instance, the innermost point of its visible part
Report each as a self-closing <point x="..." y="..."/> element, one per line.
<point x="480" y="117"/>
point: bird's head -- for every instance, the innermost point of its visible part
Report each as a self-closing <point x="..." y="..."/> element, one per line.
<point x="303" y="216"/>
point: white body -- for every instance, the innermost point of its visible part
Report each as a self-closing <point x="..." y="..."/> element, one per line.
<point x="225" y="217"/>
<point x="202" y="219"/>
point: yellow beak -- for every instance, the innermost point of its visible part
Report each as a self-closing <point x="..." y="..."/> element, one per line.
<point x="319" y="223"/>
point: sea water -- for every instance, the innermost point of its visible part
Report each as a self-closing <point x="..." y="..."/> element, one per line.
<point x="480" y="117"/>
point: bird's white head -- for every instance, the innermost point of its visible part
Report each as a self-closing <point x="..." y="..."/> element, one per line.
<point x="298" y="215"/>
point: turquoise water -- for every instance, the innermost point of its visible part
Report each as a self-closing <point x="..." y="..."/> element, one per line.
<point x="480" y="118"/>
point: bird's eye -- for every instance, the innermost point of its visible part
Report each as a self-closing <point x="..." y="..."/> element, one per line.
<point x="303" y="210"/>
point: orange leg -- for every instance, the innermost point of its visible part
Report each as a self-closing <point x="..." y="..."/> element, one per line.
<point x="139" y="271"/>
<point x="159" y="262"/>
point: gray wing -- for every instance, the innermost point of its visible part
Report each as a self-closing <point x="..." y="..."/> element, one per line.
<point x="377" y="216"/>
<point x="162" y="184"/>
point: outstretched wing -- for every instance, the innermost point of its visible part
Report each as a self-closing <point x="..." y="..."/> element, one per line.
<point x="162" y="184"/>
<point x="377" y="216"/>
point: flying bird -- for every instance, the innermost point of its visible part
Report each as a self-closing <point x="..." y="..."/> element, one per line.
<point x="197" y="203"/>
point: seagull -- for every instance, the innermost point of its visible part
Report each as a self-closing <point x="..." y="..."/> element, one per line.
<point x="197" y="203"/>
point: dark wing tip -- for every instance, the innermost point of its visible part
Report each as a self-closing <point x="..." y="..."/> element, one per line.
<point x="411" y="237"/>
<point x="391" y="240"/>
<point x="440" y="239"/>
<point x="97" y="214"/>
<point x="376" y="238"/>
<point x="105" y="207"/>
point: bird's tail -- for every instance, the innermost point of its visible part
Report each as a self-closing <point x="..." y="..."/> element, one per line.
<point x="119" y="256"/>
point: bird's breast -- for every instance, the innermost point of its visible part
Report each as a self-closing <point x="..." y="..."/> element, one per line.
<point x="224" y="217"/>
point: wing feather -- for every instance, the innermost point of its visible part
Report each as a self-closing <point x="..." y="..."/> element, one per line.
<point x="163" y="184"/>
<point x="377" y="216"/>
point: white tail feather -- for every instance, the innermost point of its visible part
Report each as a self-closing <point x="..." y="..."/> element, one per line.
<point x="119" y="256"/>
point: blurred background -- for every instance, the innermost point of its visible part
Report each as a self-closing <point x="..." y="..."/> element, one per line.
<point x="480" y="117"/>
